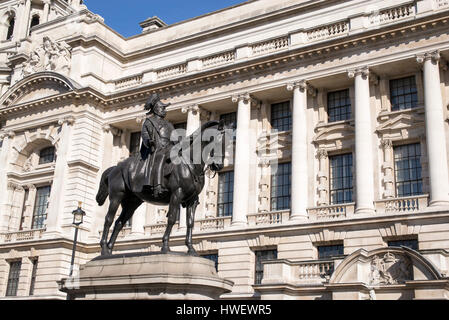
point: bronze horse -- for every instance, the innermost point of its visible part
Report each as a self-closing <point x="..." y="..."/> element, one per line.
<point x="184" y="184"/>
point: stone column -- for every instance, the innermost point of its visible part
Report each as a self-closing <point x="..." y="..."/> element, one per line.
<point x="436" y="139"/>
<point x="56" y="203"/>
<point x="193" y="123"/>
<point x="46" y="10"/>
<point x="6" y="137"/>
<point x="322" y="178"/>
<point x="363" y="142"/>
<point x="388" y="167"/>
<point x="24" y="19"/>
<point x="299" y="187"/>
<point x="241" y="163"/>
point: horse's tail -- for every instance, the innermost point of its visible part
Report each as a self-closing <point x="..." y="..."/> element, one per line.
<point x="103" y="190"/>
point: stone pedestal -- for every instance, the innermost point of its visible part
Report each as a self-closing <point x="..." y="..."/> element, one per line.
<point x="147" y="276"/>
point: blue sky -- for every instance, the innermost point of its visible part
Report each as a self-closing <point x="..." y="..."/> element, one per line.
<point x="124" y="15"/>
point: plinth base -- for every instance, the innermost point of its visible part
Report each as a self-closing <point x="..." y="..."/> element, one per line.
<point x="146" y="276"/>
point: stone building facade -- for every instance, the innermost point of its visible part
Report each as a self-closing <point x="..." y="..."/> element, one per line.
<point x="340" y="187"/>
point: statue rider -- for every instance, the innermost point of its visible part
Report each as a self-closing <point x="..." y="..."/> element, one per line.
<point x="156" y="144"/>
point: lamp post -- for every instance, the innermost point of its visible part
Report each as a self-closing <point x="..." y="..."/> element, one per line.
<point x="78" y="216"/>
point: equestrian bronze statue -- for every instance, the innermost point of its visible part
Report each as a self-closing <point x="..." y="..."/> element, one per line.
<point x="164" y="173"/>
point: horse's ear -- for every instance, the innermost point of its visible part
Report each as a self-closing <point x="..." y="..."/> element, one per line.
<point x="221" y="125"/>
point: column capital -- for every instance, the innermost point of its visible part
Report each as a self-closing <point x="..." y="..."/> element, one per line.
<point x="386" y="144"/>
<point x="31" y="187"/>
<point x="302" y="85"/>
<point x="140" y="119"/>
<point x="69" y="120"/>
<point x="364" y="71"/>
<point x="13" y="186"/>
<point x="246" y="97"/>
<point x="194" y="108"/>
<point x="7" y="134"/>
<point x="115" y="131"/>
<point x="434" y="56"/>
<point x="47" y="2"/>
<point x="322" y="153"/>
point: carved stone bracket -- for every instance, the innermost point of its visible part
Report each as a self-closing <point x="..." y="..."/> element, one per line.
<point x="194" y="109"/>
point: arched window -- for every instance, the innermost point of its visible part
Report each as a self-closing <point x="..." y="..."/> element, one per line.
<point x="34" y="22"/>
<point x="11" y="23"/>
<point x="47" y="155"/>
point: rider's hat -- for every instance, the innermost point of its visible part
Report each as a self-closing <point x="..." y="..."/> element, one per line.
<point x="152" y="101"/>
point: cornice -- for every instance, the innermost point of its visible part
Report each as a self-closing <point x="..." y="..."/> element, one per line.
<point x="272" y="62"/>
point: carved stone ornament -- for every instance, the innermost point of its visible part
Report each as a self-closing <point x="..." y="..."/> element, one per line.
<point x="390" y="269"/>
<point x="50" y="56"/>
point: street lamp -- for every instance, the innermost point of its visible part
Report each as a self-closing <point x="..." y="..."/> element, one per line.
<point x="78" y="216"/>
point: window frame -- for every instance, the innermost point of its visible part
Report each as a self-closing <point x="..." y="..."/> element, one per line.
<point x="349" y="107"/>
<point x="339" y="244"/>
<point x="289" y="117"/>
<point x="228" y="203"/>
<point x="43" y="156"/>
<point x="13" y="278"/>
<point x="258" y="264"/>
<point x="36" y="215"/>
<point x="390" y="92"/>
<point x="272" y="186"/>
<point x="395" y="176"/>
<point x="330" y="171"/>
<point x="131" y="146"/>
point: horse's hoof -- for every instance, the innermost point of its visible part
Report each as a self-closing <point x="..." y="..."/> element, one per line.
<point x="193" y="253"/>
<point x="165" y="250"/>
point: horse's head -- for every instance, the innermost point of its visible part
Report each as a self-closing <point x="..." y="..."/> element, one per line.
<point x="221" y="140"/>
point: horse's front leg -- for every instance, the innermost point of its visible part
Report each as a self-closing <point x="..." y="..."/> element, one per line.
<point x="190" y="222"/>
<point x="173" y="212"/>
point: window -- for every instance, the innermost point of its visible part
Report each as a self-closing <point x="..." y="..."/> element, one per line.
<point x="47" y="155"/>
<point x="134" y="144"/>
<point x="410" y="243"/>
<point x="281" y="116"/>
<point x="230" y="119"/>
<point x="325" y="252"/>
<point x="262" y="256"/>
<point x="340" y="178"/>
<point x="213" y="257"/>
<point x="33" y="277"/>
<point x="281" y="187"/>
<point x="339" y="106"/>
<point x="40" y="207"/>
<point x="225" y="193"/>
<point x="34" y="22"/>
<point x="407" y="167"/>
<point x="11" y="23"/>
<point x="403" y="93"/>
<point x="13" y="278"/>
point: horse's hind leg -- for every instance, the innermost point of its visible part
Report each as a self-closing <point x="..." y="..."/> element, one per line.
<point x="173" y="212"/>
<point x="190" y="221"/>
<point x="129" y="206"/>
<point x="113" y="206"/>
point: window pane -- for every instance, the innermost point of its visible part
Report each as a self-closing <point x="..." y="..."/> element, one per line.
<point x="412" y="243"/>
<point x="408" y="170"/>
<point x="281" y="116"/>
<point x="47" y="155"/>
<point x="261" y="256"/>
<point x="213" y="257"/>
<point x="225" y="193"/>
<point x="40" y="207"/>
<point x="281" y="187"/>
<point x="325" y="252"/>
<point x="13" y="278"/>
<point x="339" y="106"/>
<point x="341" y="178"/>
<point x="403" y="93"/>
